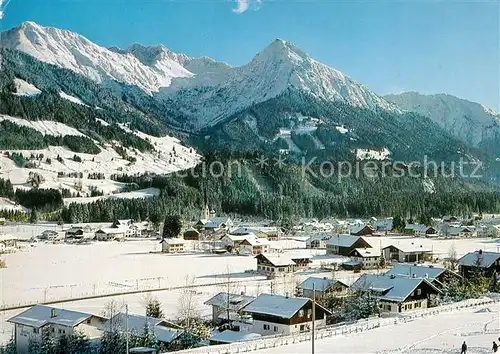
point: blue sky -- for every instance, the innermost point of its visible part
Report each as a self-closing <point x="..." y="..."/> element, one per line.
<point x="428" y="46"/>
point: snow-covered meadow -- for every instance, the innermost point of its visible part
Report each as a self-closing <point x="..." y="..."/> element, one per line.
<point x="443" y="333"/>
<point x="108" y="161"/>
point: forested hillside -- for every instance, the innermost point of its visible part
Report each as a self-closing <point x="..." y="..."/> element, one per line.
<point x="275" y="192"/>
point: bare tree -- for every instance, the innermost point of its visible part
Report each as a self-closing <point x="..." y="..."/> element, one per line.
<point x="111" y="309"/>
<point x="187" y="302"/>
<point x="229" y="287"/>
<point x="452" y="258"/>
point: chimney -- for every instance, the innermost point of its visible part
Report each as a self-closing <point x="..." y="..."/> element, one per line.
<point x="413" y="275"/>
<point x="480" y="252"/>
<point x="287" y="295"/>
<point x="53" y="313"/>
<point x="393" y="276"/>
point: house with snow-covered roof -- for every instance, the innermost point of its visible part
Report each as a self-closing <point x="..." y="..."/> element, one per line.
<point x="360" y="230"/>
<point x="319" y="287"/>
<point x="344" y="244"/>
<point x="318" y="241"/>
<point x="226" y="305"/>
<point x="30" y="324"/>
<point x="163" y="330"/>
<point x="277" y="314"/>
<point x="396" y="293"/>
<point x="172" y="245"/>
<point x="480" y="261"/>
<point x="407" y="252"/>
<point x="436" y="275"/>
<point x="368" y="258"/>
<point x="273" y="264"/>
<point x="110" y="234"/>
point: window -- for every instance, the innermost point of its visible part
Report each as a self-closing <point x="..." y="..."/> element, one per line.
<point x="301" y="313"/>
<point x="267" y="327"/>
<point x="89" y="321"/>
<point x="410" y="306"/>
<point x="309" y="313"/>
<point x="419" y="292"/>
<point x="276" y="328"/>
<point x="35" y="330"/>
<point x="418" y="304"/>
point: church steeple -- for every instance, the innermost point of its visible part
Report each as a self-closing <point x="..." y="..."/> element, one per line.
<point x="206" y="209"/>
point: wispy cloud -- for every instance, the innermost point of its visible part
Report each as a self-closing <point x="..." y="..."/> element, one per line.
<point x="244" y="5"/>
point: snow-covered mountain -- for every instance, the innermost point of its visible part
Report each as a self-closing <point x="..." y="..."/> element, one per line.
<point x="205" y="90"/>
<point x="473" y="123"/>
<point x="279" y="67"/>
<point x="75" y="52"/>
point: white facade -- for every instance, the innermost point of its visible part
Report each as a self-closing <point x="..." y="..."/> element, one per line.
<point x="269" y="328"/>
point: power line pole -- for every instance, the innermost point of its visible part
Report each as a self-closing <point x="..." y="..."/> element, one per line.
<point x="313" y="318"/>
<point x="126" y="328"/>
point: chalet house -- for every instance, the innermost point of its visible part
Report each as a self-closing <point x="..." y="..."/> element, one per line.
<point x="172" y="245"/>
<point x="110" y="234"/>
<point x="234" y="241"/>
<point x="275" y="264"/>
<point x="397" y="294"/>
<point x="360" y="230"/>
<point x="163" y="330"/>
<point x="437" y="276"/>
<point x="30" y="324"/>
<point x="318" y="241"/>
<point x="344" y="244"/>
<point x="411" y="253"/>
<point x="228" y="336"/>
<point x="214" y="224"/>
<point x="485" y="262"/>
<point x="383" y="225"/>
<point x="425" y="231"/>
<point x="269" y="232"/>
<point x="191" y="234"/>
<point x="410" y="229"/>
<point x="222" y="302"/>
<point x="254" y="246"/>
<point x="7" y="241"/>
<point x="133" y="229"/>
<point x="276" y="314"/>
<point x="320" y="287"/>
<point x="48" y="235"/>
<point x="368" y="258"/>
<point x="74" y="232"/>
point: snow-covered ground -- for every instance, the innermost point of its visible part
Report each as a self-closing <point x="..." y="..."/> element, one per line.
<point x="368" y="154"/>
<point x="169" y="156"/>
<point x="71" y="98"/>
<point x="46" y="127"/>
<point x="24" y="88"/>
<point x="142" y="193"/>
<point x="6" y="204"/>
<point x="442" y="333"/>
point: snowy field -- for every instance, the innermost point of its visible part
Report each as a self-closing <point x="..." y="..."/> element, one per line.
<point x="443" y="333"/>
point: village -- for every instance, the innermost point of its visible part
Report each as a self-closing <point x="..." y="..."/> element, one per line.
<point x="240" y="281"/>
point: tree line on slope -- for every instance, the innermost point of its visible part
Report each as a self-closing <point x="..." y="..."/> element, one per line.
<point x="17" y="137"/>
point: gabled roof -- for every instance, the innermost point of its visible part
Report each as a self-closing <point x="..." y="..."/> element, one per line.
<point x="277" y="260"/>
<point x="166" y="334"/>
<point x="236" y="302"/>
<point x="192" y="229"/>
<point x="343" y="240"/>
<point x="366" y="252"/>
<point x="409" y="270"/>
<point x="319" y="284"/>
<point x="483" y="259"/>
<point x="40" y="315"/>
<point x="390" y="288"/>
<point x="233" y="336"/>
<point x="111" y="231"/>
<point x="323" y="237"/>
<point x="173" y="241"/>
<point x="354" y="229"/>
<point x="410" y="247"/>
<point x="136" y="323"/>
<point x="276" y="305"/>
<point x="256" y="241"/>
